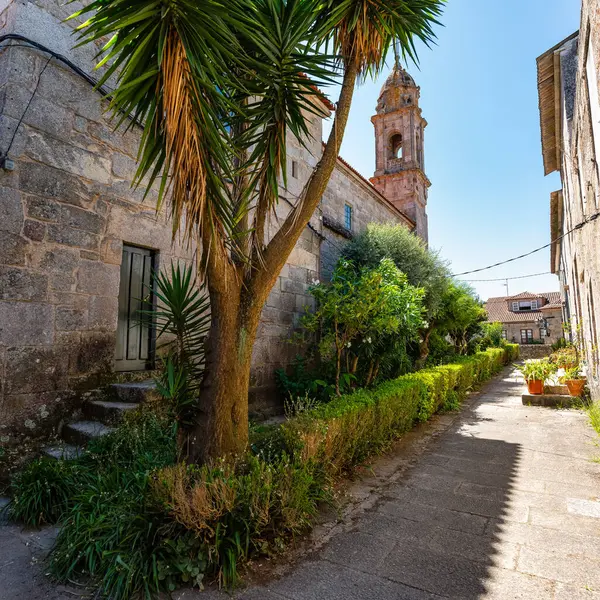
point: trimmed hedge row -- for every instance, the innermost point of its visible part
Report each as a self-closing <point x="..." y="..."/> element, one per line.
<point x="347" y="430"/>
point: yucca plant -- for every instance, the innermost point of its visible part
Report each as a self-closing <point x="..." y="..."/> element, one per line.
<point x="217" y="87"/>
<point x="181" y="320"/>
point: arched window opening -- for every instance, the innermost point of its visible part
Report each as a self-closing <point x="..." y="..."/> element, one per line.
<point x="396" y="149"/>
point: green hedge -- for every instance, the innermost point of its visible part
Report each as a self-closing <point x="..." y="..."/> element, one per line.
<point x="137" y="524"/>
<point x="342" y="433"/>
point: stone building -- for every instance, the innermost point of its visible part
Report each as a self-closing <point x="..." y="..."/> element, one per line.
<point x="77" y="243"/>
<point x="568" y="84"/>
<point x="527" y="318"/>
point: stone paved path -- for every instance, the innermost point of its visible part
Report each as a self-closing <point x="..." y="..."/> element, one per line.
<point x="502" y="504"/>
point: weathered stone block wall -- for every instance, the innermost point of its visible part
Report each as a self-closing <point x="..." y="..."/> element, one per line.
<point x="347" y="187"/>
<point x="580" y="251"/>
<point x="65" y="212"/>
<point x="528" y="351"/>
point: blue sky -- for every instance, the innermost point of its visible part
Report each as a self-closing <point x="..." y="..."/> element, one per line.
<point x="489" y="198"/>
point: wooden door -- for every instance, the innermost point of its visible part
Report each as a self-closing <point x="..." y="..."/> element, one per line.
<point x="134" y="332"/>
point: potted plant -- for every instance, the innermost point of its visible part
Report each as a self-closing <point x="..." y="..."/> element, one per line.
<point x="565" y="358"/>
<point x="535" y="373"/>
<point x="574" y="380"/>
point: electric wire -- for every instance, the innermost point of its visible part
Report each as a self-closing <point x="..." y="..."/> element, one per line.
<point x="35" y="89"/>
<point x="560" y="237"/>
<point x="509" y="278"/>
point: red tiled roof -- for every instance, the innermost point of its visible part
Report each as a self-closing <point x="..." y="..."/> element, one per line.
<point x="498" y="310"/>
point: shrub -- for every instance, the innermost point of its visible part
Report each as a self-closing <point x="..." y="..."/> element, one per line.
<point x="43" y="491"/>
<point x="364" y="318"/>
<point x="46" y="488"/>
<point x="565" y="358"/>
<point x="235" y="509"/>
<point x="341" y="434"/>
<point x="136" y="523"/>
<point x="594" y="413"/>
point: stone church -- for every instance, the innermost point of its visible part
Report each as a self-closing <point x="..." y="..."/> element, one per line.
<point x="78" y="244"/>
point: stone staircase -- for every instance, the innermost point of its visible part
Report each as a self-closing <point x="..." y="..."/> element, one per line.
<point x="101" y="413"/>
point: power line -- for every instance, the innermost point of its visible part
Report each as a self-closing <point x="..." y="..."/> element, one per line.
<point x="35" y="89"/>
<point x="507" y="278"/>
<point x="578" y="226"/>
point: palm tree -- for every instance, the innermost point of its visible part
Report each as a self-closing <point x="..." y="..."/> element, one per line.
<point x="217" y="86"/>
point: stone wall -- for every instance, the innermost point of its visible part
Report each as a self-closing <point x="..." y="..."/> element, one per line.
<point x="579" y="269"/>
<point x="68" y="207"/>
<point x="529" y="351"/>
<point x="65" y="212"/>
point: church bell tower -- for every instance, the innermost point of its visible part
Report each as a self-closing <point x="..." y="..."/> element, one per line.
<point x="400" y="163"/>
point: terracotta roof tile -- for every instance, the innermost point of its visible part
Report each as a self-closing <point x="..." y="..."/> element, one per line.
<point x="498" y="310"/>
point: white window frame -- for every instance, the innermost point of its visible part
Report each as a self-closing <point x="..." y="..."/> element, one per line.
<point x="534" y="305"/>
<point x="515" y="306"/>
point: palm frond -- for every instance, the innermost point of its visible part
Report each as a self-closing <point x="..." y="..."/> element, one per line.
<point x="170" y="60"/>
<point x="365" y="30"/>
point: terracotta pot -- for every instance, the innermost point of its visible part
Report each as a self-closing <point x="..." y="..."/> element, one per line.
<point x="535" y="386"/>
<point x="575" y="386"/>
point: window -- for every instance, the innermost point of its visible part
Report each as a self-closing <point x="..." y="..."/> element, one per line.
<point x="348" y="217"/>
<point x="504" y="334"/>
<point x="526" y="336"/>
<point x="294" y="169"/>
<point x="524" y="305"/>
<point x="396" y="149"/>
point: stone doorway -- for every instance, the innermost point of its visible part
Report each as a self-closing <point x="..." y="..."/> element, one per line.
<point x="135" y="335"/>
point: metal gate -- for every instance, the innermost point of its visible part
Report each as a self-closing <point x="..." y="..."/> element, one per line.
<point x="135" y="337"/>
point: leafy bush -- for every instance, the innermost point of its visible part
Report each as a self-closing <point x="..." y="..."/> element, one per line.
<point x="491" y="336"/>
<point x="594" y="414"/>
<point x="364" y="318"/>
<point x="46" y="488"/>
<point x="559" y="343"/>
<point x="301" y="381"/>
<point x="565" y="358"/>
<point x="239" y="508"/>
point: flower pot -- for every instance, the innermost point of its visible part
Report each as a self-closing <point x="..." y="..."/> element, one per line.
<point x="535" y="386"/>
<point x="575" y="386"/>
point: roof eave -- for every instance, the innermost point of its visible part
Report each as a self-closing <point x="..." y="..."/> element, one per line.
<point x="549" y="101"/>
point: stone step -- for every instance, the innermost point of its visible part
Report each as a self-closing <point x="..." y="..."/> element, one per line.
<point x="108" y="412"/>
<point x="63" y="452"/>
<point x="553" y="400"/>
<point x="81" y="432"/>
<point x="132" y="392"/>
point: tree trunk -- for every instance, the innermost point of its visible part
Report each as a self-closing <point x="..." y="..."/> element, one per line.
<point x="424" y="348"/>
<point x="237" y="299"/>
